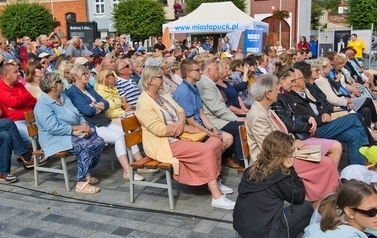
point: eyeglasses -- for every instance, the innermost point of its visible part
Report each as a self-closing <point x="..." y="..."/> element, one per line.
<point x="44" y="62"/>
<point x="198" y="70"/>
<point x="59" y="81"/>
<point x="127" y="66"/>
<point x="299" y="78"/>
<point x="40" y="67"/>
<point x="370" y="213"/>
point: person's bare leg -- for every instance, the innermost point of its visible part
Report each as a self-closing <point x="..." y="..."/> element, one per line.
<point x="214" y="188"/>
<point x="335" y="153"/>
<point x="227" y="140"/>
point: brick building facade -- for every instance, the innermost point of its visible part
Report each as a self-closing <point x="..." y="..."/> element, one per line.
<point x="60" y="9"/>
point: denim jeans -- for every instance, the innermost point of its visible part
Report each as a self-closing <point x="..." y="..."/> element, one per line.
<point x="347" y="129"/>
<point x="22" y="128"/>
<point x="10" y="140"/>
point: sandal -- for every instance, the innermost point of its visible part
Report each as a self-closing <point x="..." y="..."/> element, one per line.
<point x="91" y="190"/>
<point x="92" y="180"/>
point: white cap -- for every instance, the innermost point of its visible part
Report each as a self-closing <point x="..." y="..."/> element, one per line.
<point x="44" y="54"/>
<point x="359" y="173"/>
<point x="80" y="61"/>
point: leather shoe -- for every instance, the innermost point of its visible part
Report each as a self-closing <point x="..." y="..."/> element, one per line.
<point x="230" y="163"/>
<point x="240" y="169"/>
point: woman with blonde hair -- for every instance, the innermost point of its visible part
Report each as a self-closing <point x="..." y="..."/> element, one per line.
<point x="264" y="188"/>
<point x="64" y="70"/>
<point x="97" y="48"/>
<point x="93" y="107"/>
<point x="163" y="122"/>
<point x="170" y="83"/>
<point x="229" y="94"/>
<point x="138" y="65"/>
<point x="33" y="50"/>
<point x="34" y="72"/>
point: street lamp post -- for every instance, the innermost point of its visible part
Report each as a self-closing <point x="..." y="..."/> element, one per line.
<point x="280" y="8"/>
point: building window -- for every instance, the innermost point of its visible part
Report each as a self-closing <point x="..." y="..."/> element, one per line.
<point x="70" y="17"/>
<point x="115" y="4"/>
<point x="100" y="6"/>
<point x="165" y="2"/>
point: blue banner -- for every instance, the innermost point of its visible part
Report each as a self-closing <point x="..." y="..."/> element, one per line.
<point x="253" y="41"/>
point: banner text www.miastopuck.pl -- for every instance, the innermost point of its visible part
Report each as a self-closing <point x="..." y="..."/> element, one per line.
<point x="206" y="27"/>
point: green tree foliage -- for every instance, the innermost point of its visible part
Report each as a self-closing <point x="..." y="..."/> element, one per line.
<point x="20" y="18"/>
<point x="139" y="18"/>
<point x="194" y="4"/>
<point x="361" y="14"/>
<point x="317" y="8"/>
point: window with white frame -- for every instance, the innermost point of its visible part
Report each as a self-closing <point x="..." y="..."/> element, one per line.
<point x="100" y="7"/>
<point x="115" y="4"/>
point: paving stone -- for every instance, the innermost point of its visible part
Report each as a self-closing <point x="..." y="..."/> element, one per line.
<point x="27" y="232"/>
<point x="122" y="231"/>
<point x="96" y="226"/>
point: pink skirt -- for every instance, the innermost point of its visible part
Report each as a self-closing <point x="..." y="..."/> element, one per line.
<point x="199" y="163"/>
<point x="325" y="143"/>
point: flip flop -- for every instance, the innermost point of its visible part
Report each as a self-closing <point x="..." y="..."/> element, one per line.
<point x="92" y="180"/>
<point x="91" y="190"/>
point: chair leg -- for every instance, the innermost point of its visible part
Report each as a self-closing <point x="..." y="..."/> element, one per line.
<point x="132" y="186"/>
<point x="246" y="161"/>
<point x="112" y="157"/>
<point x="36" y="182"/>
<point x="170" y="189"/>
<point x="65" y="173"/>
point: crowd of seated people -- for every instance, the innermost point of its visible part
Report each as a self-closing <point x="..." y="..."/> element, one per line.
<point x="79" y="97"/>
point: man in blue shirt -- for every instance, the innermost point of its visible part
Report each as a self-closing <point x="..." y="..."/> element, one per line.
<point x="313" y="43"/>
<point x="188" y="97"/>
<point x="207" y="46"/>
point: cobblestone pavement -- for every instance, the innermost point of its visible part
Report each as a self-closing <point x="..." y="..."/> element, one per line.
<point x="50" y="211"/>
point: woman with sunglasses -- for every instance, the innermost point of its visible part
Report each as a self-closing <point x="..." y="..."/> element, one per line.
<point x="61" y="127"/>
<point x="34" y="72"/>
<point x="357" y="202"/>
<point x="94" y="107"/>
<point x="265" y="186"/>
<point x="33" y="51"/>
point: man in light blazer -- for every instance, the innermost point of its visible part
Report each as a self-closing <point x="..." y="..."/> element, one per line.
<point x="217" y="112"/>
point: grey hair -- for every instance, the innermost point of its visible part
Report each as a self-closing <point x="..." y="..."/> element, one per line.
<point x="77" y="71"/>
<point x="48" y="81"/>
<point x="262" y="85"/>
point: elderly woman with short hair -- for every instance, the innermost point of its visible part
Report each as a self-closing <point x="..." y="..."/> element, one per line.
<point x="64" y="70"/>
<point x="170" y="83"/>
<point x="94" y="107"/>
<point x="97" y="48"/>
<point x="62" y="127"/>
<point x="163" y="122"/>
<point x="319" y="178"/>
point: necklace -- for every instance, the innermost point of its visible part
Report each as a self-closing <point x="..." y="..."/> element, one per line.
<point x="159" y="102"/>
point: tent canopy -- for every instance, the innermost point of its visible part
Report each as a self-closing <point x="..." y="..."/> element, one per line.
<point x="214" y="17"/>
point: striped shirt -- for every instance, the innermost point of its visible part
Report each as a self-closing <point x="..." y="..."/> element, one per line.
<point x="129" y="89"/>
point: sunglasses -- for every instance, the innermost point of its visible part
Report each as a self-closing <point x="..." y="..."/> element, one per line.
<point x="370" y="213"/>
<point x="59" y="81"/>
<point x="40" y="67"/>
<point x="198" y="70"/>
<point x="127" y="66"/>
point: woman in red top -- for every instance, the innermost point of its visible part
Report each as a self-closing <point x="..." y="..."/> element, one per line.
<point x="303" y="44"/>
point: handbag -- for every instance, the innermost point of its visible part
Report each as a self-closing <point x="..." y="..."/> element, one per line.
<point x="313" y="153"/>
<point x="99" y="119"/>
<point x="194" y="137"/>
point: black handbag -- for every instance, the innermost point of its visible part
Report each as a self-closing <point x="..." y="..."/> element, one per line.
<point x="99" y="119"/>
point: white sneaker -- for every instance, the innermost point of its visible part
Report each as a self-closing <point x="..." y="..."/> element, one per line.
<point x="223" y="202"/>
<point x="224" y="189"/>
<point x="137" y="177"/>
<point x="148" y="170"/>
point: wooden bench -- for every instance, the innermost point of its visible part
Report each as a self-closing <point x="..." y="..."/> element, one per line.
<point x="33" y="134"/>
<point x="133" y="136"/>
<point x="244" y="145"/>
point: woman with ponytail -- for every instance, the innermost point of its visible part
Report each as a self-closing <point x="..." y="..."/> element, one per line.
<point x="347" y="212"/>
